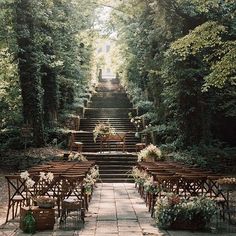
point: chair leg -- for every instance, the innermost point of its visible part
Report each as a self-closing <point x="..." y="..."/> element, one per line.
<point x="8" y="212"/>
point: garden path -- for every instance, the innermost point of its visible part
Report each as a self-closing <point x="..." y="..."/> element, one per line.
<point x="116" y="209"/>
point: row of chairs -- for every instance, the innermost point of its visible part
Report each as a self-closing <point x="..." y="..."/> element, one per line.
<point x="184" y="181"/>
<point x="66" y="186"/>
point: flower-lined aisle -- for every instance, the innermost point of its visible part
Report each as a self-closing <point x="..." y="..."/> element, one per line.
<point x="180" y="196"/>
<point x="67" y="186"/>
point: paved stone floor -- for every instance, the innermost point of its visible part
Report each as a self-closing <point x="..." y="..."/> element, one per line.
<point x="115" y="210"/>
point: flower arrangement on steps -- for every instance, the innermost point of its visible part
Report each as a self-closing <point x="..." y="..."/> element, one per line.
<point x="102" y="129"/>
<point x="150" y="153"/>
<point x="171" y="212"/>
<point x="76" y="156"/>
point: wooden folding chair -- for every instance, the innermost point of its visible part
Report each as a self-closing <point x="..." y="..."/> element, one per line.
<point x="17" y="195"/>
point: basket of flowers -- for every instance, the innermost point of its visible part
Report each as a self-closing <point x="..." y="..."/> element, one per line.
<point x="150" y="153"/>
<point x="171" y="212"/>
<point x="102" y="129"/>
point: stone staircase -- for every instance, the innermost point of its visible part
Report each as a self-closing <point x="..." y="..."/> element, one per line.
<point x="109" y="104"/>
<point x="114" y="167"/>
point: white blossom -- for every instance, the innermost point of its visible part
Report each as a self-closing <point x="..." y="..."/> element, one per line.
<point x="24" y="175"/>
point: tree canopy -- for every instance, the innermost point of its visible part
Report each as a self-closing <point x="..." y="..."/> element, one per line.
<point x="176" y="59"/>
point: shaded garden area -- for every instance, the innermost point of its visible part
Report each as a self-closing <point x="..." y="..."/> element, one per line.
<point x="159" y="72"/>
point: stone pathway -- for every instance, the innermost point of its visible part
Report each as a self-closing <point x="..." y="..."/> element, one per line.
<point x="116" y="209"/>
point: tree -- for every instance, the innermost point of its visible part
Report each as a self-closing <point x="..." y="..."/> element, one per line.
<point x="29" y="67"/>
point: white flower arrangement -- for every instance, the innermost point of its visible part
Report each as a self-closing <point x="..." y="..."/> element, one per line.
<point x="136" y="120"/>
<point x="48" y="177"/>
<point x="76" y="157"/>
<point x="28" y="181"/>
<point x="172" y="209"/>
<point x="139" y="175"/>
<point x="91" y="179"/>
<point x="102" y="129"/>
<point x="150" y="153"/>
<point x="149" y="185"/>
<point x="95" y="172"/>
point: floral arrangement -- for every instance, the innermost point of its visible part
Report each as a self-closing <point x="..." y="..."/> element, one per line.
<point x="102" y="129"/>
<point x="44" y="201"/>
<point x="91" y="179"/>
<point x="149" y="185"/>
<point x="136" y="120"/>
<point x="227" y="180"/>
<point x="75" y="156"/>
<point x="47" y="177"/>
<point x="139" y="176"/>
<point x="150" y="153"/>
<point x="171" y="211"/>
<point x="28" y="181"/>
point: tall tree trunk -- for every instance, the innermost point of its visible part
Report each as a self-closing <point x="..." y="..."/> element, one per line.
<point x="29" y="70"/>
<point x="50" y="86"/>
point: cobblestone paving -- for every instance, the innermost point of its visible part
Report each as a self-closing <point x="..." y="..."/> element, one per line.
<point x="115" y="210"/>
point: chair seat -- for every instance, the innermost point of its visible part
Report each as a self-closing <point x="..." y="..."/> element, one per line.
<point x="71" y="200"/>
<point x="18" y="198"/>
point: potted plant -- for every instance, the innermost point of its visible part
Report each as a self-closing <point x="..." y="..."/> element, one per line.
<point x="171" y="212"/>
<point x="150" y="153"/>
<point x="227" y="183"/>
<point x="102" y="129"/>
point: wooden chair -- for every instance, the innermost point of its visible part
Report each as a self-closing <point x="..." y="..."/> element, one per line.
<point x="17" y="196"/>
<point x="72" y="197"/>
<point x="73" y="145"/>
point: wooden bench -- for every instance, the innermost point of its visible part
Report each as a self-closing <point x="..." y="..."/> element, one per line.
<point x="117" y="139"/>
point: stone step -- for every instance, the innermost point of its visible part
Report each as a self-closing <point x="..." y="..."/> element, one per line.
<point x="116" y="166"/>
<point x="113" y="94"/>
<point x="117" y="180"/>
<point x="112" y="175"/>
<point x="110" y="102"/>
<point x="115" y="171"/>
<point x="118" y="104"/>
<point x="118" y="128"/>
<point x="108" y="112"/>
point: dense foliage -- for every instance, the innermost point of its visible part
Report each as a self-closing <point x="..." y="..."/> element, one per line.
<point x="180" y="56"/>
<point x="45" y="57"/>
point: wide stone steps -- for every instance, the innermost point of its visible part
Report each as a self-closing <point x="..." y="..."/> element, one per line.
<point x="108" y="112"/>
<point x="118" y="128"/>
<point x="114" y="167"/>
<point x="118" y="124"/>
<point x="110" y="104"/>
<point x="110" y="100"/>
